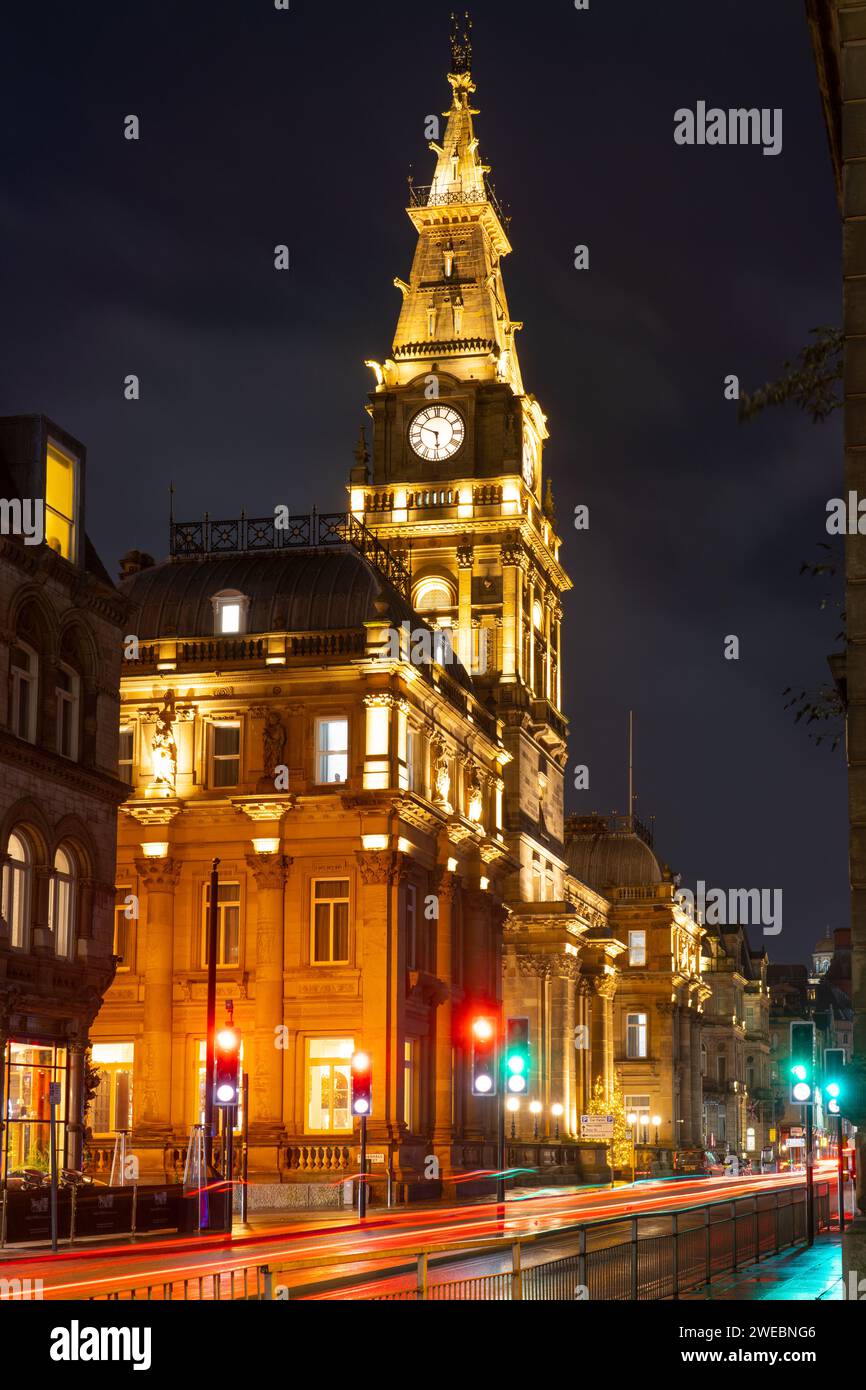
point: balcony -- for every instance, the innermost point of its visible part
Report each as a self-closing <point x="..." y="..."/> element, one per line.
<point x="422" y="196"/>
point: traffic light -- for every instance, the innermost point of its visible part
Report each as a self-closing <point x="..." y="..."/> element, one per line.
<point x="485" y="1028"/>
<point x="227" y="1066"/>
<point x="362" y="1084"/>
<point x="802" y="1063"/>
<point x="517" y="1055"/>
<point x="834" y="1082"/>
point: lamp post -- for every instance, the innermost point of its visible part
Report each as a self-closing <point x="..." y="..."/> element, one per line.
<point x="657" y="1119"/>
<point x="557" y="1111"/>
<point x="512" y="1105"/>
<point x="631" y="1121"/>
<point x="535" y="1109"/>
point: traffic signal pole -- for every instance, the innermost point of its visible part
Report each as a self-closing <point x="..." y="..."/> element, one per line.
<point x="810" y="1176"/>
<point x="362" y="1178"/>
<point x="212" y="943"/>
<point x="500" y="1132"/>
<point x="840" y="1153"/>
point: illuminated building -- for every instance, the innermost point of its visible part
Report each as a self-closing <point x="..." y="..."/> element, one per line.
<point x="62" y="628"/>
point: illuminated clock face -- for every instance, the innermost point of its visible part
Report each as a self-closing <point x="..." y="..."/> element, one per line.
<point x="436" y="433"/>
<point x="530" y="460"/>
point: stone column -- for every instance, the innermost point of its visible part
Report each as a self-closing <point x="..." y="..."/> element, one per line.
<point x="465" y="562"/>
<point x="600" y="1039"/>
<point x="513" y="561"/>
<point x="697" y="1082"/>
<point x="153" y="1052"/>
<point x="562" y="1052"/>
<point x="444" y="1068"/>
<point x="685" y="1075"/>
<point x="380" y="957"/>
<point x="266" y="1118"/>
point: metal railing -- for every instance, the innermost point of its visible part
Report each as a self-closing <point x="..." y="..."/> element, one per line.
<point x="614" y="1260"/>
<point x="259" y="535"/>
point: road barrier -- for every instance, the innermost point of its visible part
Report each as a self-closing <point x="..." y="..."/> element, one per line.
<point x="702" y="1243"/>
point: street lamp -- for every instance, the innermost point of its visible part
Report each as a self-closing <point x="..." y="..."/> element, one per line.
<point x="557" y="1111"/>
<point x="631" y="1121"/>
<point x="512" y="1105"/>
<point x="535" y="1109"/>
<point x="657" y="1119"/>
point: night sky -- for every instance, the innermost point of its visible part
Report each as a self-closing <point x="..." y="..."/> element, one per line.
<point x="261" y="127"/>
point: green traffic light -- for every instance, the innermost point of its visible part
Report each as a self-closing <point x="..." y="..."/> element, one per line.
<point x="799" y="1071"/>
<point x="834" y="1090"/>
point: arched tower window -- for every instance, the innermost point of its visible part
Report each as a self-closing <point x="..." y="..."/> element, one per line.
<point x="434" y="597"/>
<point x="17" y="889"/>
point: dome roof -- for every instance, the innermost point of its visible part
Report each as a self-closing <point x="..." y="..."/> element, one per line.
<point x="289" y="591"/>
<point x="610" y="854"/>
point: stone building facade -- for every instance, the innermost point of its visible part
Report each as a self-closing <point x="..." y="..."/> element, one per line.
<point x="354" y="802"/>
<point x="61" y="630"/>
<point x="738" y="1111"/>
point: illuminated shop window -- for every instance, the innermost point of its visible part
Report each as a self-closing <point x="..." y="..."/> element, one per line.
<point x="111" y="1107"/>
<point x="30" y="1070"/>
<point x="328" y="1085"/>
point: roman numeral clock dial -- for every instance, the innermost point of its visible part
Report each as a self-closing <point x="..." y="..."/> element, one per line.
<point x="436" y="433"/>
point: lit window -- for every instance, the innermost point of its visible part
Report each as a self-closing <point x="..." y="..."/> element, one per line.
<point x="639" y="1106"/>
<point x="329" y="1085"/>
<point x="330" y="944"/>
<point x="228" y="924"/>
<point x="24" y="679"/>
<point x="111" y="1107"/>
<point x="751" y="1145"/>
<point x="230" y="613"/>
<point x="226" y="754"/>
<point x="412" y="760"/>
<point x="636" y="1035"/>
<point x="538" y="616"/>
<point x="637" y="948"/>
<point x="123" y="922"/>
<point x="67" y="691"/>
<point x="61" y="903"/>
<point x="60" y="500"/>
<point x="125" y="755"/>
<point x="409" y="1085"/>
<point x="332" y="743"/>
<point x="17" y="884"/>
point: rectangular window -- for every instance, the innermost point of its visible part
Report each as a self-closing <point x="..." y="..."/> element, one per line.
<point x="637" y="948"/>
<point x="722" y="1067"/>
<point x="67" y="694"/>
<point x="537" y="884"/>
<point x="123" y="927"/>
<point x="412" y="763"/>
<point x="636" y="1035"/>
<point x="230" y="618"/>
<point x="751" y="1144"/>
<point x="332" y="751"/>
<point x="30" y="1069"/>
<point x="61" y="485"/>
<point x="24" y="669"/>
<point x="411" y="927"/>
<point x="228" y="924"/>
<point x="637" y="1113"/>
<point x="328" y="1085"/>
<point x="409" y="1085"/>
<point x="722" y="1129"/>
<point x="330" y="922"/>
<point x="125" y="756"/>
<point x="226" y="755"/>
<point x="111" y="1107"/>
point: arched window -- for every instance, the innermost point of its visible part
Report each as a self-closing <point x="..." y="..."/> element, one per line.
<point x="434" y="596"/>
<point x="17" y="886"/>
<point x="25" y="675"/>
<point x="61" y="912"/>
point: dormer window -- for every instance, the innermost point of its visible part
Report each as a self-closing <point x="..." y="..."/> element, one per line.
<point x="231" y="610"/>
<point x="61" y="502"/>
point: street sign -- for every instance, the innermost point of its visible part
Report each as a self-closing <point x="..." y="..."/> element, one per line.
<point x="596" y="1126"/>
<point x="375" y="1158"/>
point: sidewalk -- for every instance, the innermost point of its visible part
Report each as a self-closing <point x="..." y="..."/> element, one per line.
<point x="800" y="1276"/>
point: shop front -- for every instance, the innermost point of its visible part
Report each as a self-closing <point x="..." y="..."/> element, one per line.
<point x="29" y="1071"/>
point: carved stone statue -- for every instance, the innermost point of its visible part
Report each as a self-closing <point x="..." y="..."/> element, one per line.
<point x="442" y="776"/>
<point x="164" y="746"/>
<point x="274" y="743"/>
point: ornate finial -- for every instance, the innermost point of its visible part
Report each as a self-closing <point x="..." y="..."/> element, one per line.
<point x="362" y="453"/>
<point x="461" y="47"/>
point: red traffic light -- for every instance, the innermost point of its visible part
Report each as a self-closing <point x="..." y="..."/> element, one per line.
<point x="362" y="1084"/>
<point x="484" y="1030"/>
<point x="227" y="1066"/>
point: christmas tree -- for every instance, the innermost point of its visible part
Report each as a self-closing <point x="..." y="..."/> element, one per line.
<point x="599" y="1106"/>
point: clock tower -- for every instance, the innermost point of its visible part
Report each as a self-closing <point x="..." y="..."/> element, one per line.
<point x="456" y="479"/>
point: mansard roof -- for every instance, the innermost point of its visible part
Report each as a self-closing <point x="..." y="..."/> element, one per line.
<point x="314" y="590"/>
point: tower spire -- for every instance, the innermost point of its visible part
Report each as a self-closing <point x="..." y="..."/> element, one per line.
<point x="461" y="46"/>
